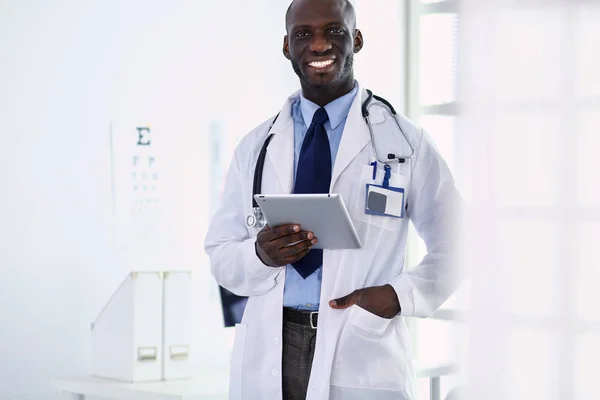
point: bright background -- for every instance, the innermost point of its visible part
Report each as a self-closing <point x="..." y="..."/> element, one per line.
<point x="509" y="90"/>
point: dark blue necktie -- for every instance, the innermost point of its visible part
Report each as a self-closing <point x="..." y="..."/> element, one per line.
<point x="313" y="175"/>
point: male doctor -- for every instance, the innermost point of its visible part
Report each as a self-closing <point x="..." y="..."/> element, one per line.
<point x="331" y="324"/>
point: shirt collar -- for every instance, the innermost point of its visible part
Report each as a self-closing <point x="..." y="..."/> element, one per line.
<point x="337" y="110"/>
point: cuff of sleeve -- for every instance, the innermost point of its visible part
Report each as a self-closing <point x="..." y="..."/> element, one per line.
<point x="404" y="291"/>
<point x="253" y="263"/>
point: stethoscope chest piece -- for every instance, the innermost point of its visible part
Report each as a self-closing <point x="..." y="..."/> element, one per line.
<point x="256" y="219"/>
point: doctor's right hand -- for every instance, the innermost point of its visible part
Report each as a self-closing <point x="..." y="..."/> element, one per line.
<point x="283" y="244"/>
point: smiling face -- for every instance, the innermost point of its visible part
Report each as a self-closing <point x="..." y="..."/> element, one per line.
<point x="321" y="43"/>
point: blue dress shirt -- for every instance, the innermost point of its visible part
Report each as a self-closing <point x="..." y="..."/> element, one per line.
<point x="298" y="292"/>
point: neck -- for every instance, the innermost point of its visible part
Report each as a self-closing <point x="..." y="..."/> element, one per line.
<point x="322" y="96"/>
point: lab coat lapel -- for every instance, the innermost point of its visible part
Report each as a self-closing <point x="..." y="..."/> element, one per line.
<point x="281" y="148"/>
<point x="354" y="138"/>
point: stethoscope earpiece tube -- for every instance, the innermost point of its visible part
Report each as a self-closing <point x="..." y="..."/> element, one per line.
<point x="370" y="97"/>
<point x="365" y="104"/>
<point x="387" y="103"/>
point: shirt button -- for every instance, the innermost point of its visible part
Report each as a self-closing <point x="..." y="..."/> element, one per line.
<point x="276" y="339"/>
<point x="274" y="372"/>
<point x="309" y="305"/>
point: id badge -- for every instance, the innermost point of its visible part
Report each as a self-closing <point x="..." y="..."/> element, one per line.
<point x="385" y="201"/>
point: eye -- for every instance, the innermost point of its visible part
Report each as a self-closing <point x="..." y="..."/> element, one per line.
<point x="336" y="31"/>
<point x="301" y="34"/>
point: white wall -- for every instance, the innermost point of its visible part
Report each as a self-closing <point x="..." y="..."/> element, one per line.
<point x="69" y="69"/>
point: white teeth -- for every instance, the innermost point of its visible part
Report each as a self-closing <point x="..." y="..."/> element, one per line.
<point x="321" y="64"/>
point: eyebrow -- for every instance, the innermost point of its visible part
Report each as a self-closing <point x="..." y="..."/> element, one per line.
<point x="327" y="25"/>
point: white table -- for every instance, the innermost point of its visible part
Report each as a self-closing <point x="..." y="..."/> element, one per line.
<point x="209" y="387"/>
<point x="434" y="373"/>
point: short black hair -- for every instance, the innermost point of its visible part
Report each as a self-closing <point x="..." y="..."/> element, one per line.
<point x="348" y="8"/>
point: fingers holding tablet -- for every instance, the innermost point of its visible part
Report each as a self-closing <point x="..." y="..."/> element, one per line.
<point x="283" y="244"/>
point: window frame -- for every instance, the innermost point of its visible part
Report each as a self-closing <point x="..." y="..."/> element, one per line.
<point x="415" y="110"/>
<point x="568" y="326"/>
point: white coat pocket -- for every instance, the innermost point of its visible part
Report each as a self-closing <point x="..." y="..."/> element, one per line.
<point x="387" y="223"/>
<point x="370" y="359"/>
<point x="237" y="358"/>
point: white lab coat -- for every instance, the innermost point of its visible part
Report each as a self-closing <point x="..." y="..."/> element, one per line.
<point x="358" y="355"/>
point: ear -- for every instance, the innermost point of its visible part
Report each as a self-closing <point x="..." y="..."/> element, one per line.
<point x="286" y="47"/>
<point x="358" y="41"/>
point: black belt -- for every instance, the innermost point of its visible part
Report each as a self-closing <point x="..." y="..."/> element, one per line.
<point x="301" y="317"/>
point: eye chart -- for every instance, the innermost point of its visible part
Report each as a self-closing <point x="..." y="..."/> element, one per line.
<point x="141" y="230"/>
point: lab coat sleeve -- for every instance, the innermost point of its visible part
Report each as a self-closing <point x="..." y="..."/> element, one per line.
<point x="233" y="260"/>
<point x="435" y="207"/>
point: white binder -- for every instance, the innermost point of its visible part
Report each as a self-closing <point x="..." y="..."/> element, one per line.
<point x="177" y="301"/>
<point x="126" y="336"/>
<point x="143" y="333"/>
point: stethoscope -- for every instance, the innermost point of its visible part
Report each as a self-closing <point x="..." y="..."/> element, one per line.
<point x="256" y="218"/>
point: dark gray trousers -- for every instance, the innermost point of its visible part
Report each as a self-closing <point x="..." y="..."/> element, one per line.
<point x="298" y="352"/>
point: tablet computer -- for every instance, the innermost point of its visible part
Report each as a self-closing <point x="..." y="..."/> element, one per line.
<point x="324" y="214"/>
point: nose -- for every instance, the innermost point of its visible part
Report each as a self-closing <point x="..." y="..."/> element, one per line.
<point x="320" y="44"/>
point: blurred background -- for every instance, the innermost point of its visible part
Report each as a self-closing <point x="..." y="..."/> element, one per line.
<point x="509" y="90"/>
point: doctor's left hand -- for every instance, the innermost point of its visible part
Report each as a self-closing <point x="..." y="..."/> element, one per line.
<point x="379" y="300"/>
